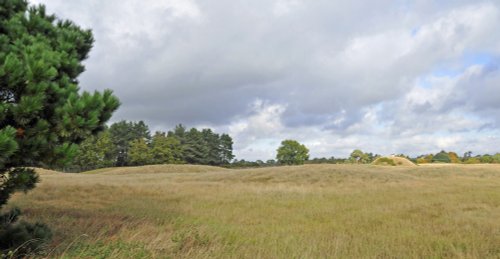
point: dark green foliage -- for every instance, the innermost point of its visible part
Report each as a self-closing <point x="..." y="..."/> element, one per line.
<point x="324" y="160"/>
<point x="467" y="155"/>
<point x="43" y="115"/>
<point x="292" y="152"/>
<point x="129" y="143"/>
<point x="18" y="239"/>
<point x="226" y="149"/>
<point x="16" y="179"/>
<point x="195" y="148"/>
<point x="95" y="152"/>
<point x="204" y="147"/>
<point x="441" y="157"/>
<point x="122" y="134"/>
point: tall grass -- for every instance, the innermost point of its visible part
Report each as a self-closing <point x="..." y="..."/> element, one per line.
<point x="312" y="211"/>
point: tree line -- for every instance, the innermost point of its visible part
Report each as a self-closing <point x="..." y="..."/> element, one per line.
<point x="292" y="152"/>
<point x="128" y="143"/>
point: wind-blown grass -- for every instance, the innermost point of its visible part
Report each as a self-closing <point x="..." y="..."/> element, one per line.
<point x="312" y="211"/>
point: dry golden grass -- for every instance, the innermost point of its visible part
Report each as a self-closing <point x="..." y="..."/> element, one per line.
<point x="312" y="211"/>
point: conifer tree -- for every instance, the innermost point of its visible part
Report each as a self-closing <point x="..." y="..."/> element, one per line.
<point x="226" y="148"/>
<point x="122" y="134"/>
<point x="43" y="115"/>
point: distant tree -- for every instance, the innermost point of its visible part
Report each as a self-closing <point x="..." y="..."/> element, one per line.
<point x="421" y="160"/>
<point x="212" y="146"/>
<point x="454" y="157"/>
<point x="486" y="159"/>
<point x="467" y="155"/>
<point x="195" y="150"/>
<point x="166" y="149"/>
<point x="357" y="156"/>
<point x="204" y="147"/>
<point x="318" y="160"/>
<point x="179" y="132"/>
<point x="43" y="115"/>
<point x="473" y="160"/>
<point x="441" y="157"/>
<point x="496" y="158"/>
<point x="226" y="149"/>
<point x="96" y="152"/>
<point x="123" y="133"/>
<point x="292" y="152"/>
<point x="428" y="158"/>
<point x="139" y="153"/>
<point x="271" y="162"/>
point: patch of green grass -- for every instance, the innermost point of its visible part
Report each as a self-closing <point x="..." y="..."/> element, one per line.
<point x="103" y="250"/>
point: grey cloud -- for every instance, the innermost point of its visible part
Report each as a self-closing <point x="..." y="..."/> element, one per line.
<point x="327" y="62"/>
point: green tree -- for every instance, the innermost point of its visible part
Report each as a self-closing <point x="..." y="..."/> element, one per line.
<point x="292" y="152"/>
<point x="203" y="147"/>
<point x="359" y="157"/>
<point x="496" y="158"/>
<point x="486" y="159"/>
<point x="467" y="155"/>
<point x="195" y="149"/>
<point x="271" y="162"/>
<point x="139" y="153"/>
<point x="226" y="149"/>
<point x="213" y="153"/>
<point x="43" y="115"/>
<point x="95" y="152"/>
<point x="441" y="157"/>
<point x="166" y="149"/>
<point x="122" y="134"/>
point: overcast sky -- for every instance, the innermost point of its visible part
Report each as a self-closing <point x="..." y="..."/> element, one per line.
<point x="386" y="76"/>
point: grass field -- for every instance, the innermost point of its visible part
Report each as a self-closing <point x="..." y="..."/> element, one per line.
<point x="313" y="211"/>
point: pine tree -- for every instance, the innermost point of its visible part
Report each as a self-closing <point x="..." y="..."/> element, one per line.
<point x="226" y="148"/>
<point x="211" y="140"/>
<point x="194" y="149"/>
<point x="122" y="134"/>
<point x="43" y="115"/>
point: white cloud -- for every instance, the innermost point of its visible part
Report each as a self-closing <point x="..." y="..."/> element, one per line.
<point x="383" y="76"/>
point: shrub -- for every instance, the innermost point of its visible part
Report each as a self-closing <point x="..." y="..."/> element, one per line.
<point x="385" y="161"/>
<point x="19" y="239"/>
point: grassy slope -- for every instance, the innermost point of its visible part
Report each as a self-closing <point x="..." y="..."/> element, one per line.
<point x="287" y="212"/>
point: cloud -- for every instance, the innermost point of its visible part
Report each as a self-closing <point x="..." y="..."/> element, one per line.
<point x="383" y="76"/>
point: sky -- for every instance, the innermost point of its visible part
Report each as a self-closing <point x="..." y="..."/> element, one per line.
<point x="385" y="76"/>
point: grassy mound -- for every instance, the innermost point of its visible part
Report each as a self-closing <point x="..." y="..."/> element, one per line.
<point x="43" y="171"/>
<point x="152" y="169"/>
<point x="393" y="161"/>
